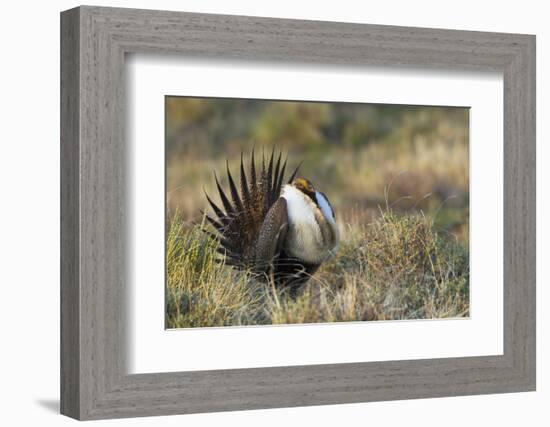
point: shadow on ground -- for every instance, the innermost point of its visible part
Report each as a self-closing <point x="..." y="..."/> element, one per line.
<point x="51" y="405"/>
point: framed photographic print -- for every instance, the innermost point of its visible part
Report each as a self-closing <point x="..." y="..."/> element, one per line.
<point x="261" y="213"/>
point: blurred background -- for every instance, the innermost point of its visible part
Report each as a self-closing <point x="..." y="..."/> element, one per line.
<point x="365" y="157"/>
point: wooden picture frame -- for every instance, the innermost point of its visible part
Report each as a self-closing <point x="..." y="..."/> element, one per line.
<point x="94" y="41"/>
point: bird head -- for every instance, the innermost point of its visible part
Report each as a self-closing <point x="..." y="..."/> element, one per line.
<point x="306" y="187"/>
<point x="319" y="199"/>
<point x="310" y="210"/>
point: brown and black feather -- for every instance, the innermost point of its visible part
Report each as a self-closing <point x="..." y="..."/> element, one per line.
<point x="253" y="223"/>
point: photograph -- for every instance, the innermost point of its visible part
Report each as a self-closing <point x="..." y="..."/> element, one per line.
<point x="301" y="212"/>
<point x="308" y="214"/>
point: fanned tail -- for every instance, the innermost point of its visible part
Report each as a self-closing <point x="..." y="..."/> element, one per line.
<point x="244" y="207"/>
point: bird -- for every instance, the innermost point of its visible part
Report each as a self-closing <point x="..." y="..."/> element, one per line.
<point x="282" y="233"/>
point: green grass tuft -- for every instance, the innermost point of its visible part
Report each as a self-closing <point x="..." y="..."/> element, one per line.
<point x="397" y="267"/>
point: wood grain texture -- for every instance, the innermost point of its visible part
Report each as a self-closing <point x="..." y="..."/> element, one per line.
<point x="70" y="292"/>
<point x="94" y="198"/>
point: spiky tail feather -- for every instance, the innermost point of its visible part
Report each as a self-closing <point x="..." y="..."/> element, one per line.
<point x="238" y="222"/>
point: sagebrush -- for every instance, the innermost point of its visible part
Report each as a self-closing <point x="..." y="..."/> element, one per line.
<point x="395" y="267"/>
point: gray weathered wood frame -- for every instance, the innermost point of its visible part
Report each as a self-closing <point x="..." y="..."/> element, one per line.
<point x="94" y="41"/>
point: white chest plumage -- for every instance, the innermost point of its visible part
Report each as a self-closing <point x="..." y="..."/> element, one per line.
<point x="313" y="234"/>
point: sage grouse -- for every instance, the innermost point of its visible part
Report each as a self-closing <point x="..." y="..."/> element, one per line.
<point x="280" y="232"/>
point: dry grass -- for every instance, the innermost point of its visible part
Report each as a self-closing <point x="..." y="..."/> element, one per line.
<point x="396" y="267"/>
<point x="425" y="174"/>
<point x="200" y="291"/>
